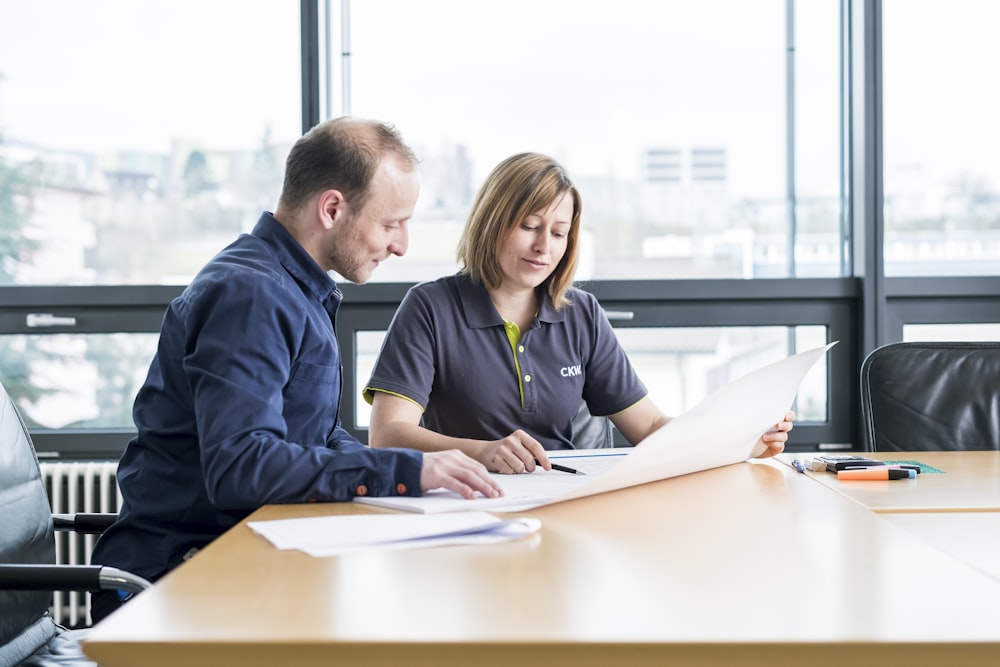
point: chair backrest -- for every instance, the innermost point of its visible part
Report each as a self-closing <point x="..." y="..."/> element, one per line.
<point x="590" y="432"/>
<point x="932" y="396"/>
<point x="25" y="522"/>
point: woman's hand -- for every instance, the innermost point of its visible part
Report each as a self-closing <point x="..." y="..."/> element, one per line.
<point x="773" y="441"/>
<point x="516" y="453"/>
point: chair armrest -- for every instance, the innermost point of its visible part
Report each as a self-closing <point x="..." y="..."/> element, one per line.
<point x="68" y="578"/>
<point x="83" y="523"/>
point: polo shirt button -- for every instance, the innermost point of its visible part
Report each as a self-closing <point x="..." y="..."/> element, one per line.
<point x="401" y="488"/>
<point x="362" y="490"/>
<point x="520" y="348"/>
<point x="527" y="378"/>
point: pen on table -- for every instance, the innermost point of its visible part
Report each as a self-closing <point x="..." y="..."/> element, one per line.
<point x="556" y="466"/>
<point x="798" y="465"/>
<point x="876" y="472"/>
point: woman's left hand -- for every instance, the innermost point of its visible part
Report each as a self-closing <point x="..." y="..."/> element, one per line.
<point x="773" y="441"/>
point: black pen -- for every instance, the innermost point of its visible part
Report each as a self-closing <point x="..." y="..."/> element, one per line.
<point x="556" y="466"/>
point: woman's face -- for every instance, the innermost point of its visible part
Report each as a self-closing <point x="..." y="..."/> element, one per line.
<point x="535" y="247"/>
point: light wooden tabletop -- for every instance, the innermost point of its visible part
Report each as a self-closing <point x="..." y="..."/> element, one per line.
<point x="972" y="537"/>
<point x="969" y="482"/>
<point x="749" y="564"/>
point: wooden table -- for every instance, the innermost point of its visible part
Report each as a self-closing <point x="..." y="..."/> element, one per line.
<point x="972" y="537"/>
<point x="748" y="564"/>
<point x="956" y="511"/>
<point x="970" y="483"/>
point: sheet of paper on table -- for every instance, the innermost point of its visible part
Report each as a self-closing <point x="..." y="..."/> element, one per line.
<point x="337" y="535"/>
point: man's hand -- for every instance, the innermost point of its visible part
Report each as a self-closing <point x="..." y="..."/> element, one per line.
<point x="457" y="472"/>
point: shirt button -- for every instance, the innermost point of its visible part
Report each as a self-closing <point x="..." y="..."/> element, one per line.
<point x="401" y="488"/>
<point x="362" y="490"/>
<point x="520" y="348"/>
<point x="527" y="378"/>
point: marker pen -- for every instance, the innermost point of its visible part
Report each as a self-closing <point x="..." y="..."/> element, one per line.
<point x="891" y="466"/>
<point x="881" y="472"/>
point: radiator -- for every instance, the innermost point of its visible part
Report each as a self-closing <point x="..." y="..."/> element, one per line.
<point x="78" y="486"/>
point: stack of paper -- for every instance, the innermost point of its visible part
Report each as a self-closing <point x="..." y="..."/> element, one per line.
<point x="336" y="535"/>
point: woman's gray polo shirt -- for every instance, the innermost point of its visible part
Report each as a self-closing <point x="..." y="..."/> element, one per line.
<point x="447" y="350"/>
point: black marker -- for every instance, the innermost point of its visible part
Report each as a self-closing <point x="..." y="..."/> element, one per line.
<point x="894" y="466"/>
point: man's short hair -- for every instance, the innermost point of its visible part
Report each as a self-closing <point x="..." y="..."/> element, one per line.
<point x="341" y="154"/>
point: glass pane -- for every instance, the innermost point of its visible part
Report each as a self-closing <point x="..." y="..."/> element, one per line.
<point x="942" y="150"/>
<point x="139" y="138"/>
<point x="681" y="366"/>
<point x="673" y="124"/>
<point x="951" y="332"/>
<point x="367" y="344"/>
<point x="75" y="380"/>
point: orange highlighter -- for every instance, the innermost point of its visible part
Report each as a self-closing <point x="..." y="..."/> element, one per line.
<point x="875" y="473"/>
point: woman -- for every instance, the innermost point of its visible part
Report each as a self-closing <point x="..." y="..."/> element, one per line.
<point x="496" y="359"/>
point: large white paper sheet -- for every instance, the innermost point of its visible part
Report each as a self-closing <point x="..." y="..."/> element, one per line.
<point x="721" y="430"/>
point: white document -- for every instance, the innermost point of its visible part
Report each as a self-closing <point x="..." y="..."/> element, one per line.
<point x="336" y="535"/>
<point x="721" y="430"/>
<point x="520" y="491"/>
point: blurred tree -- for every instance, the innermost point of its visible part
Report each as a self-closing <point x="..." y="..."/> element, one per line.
<point x="16" y="356"/>
<point x="15" y="201"/>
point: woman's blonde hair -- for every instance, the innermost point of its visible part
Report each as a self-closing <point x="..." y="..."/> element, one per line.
<point x="519" y="186"/>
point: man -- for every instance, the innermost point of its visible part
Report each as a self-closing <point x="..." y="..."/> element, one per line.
<point x="240" y="406"/>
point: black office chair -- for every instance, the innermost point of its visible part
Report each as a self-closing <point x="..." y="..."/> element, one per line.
<point x="29" y="636"/>
<point x="932" y="396"/>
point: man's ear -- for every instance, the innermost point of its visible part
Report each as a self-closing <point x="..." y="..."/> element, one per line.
<point x="332" y="208"/>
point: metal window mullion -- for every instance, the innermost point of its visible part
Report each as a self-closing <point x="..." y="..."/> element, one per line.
<point x="866" y="117"/>
<point x="310" y="51"/>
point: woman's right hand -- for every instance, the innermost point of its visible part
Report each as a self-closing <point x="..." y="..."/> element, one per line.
<point x="516" y="453"/>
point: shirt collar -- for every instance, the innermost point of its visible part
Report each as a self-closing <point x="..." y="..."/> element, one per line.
<point x="294" y="258"/>
<point x="479" y="310"/>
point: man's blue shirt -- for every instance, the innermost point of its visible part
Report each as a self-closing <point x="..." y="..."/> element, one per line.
<point x="240" y="408"/>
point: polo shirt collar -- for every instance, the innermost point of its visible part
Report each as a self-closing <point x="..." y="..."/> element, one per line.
<point x="479" y="310"/>
<point x="294" y="258"/>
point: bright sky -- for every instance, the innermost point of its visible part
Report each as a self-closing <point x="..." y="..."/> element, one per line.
<point x="593" y="83"/>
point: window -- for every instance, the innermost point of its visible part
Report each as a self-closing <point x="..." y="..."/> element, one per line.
<point x="674" y="119"/>
<point x="136" y="140"/>
<point x="76" y="381"/>
<point x="942" y="149"/>
<point x="951" y="332"/>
